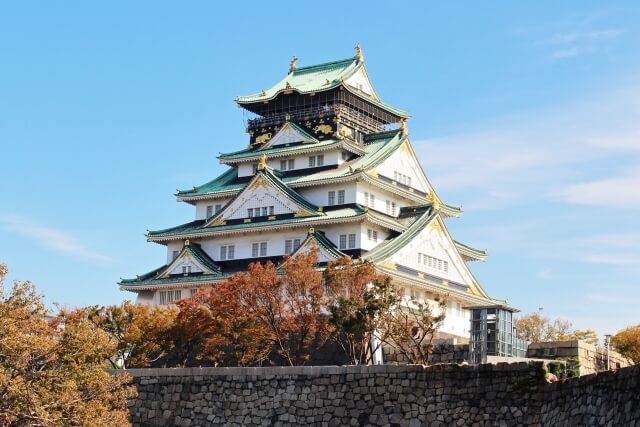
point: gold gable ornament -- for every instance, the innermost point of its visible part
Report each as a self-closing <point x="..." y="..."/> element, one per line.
<point x="261" y="139"/>
<point x="433" y="199"/>
<point x="187" y="242"/>
<point x="262" y="164"/>
<point x="293" y="64"/>
<point x="359" y="55"/>
<point x="312" y="231"/>
<point x="403" y="127"/>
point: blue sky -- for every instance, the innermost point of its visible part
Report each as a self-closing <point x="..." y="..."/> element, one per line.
<point x="526" y="115"/>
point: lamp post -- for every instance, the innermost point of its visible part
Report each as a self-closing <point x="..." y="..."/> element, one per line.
<point x="607" y="340"/>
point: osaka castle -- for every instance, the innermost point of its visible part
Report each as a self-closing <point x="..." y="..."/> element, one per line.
<point x="328" y="165"/>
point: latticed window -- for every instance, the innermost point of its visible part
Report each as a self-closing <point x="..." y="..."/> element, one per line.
<point x="343" y="241"/>
<point x="320" y="160"/>
<point x="223" y="253"/>
<point x="175" y="254"/>
<point x="209" y="211"/>
<point x="218" y="208"/>
<point x="332" y="198"/>
<point x="283" y="165"/>
<point x="341" y="197"/>
<point x="352" y="241"/>
<point x="263" y="249"/>
<point x="292" y="164"/>
<point x="312" y="161"/>
<point x="288" y="246"/>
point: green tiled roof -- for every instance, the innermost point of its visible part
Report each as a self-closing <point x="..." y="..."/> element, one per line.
<point x="389" y="247"/>
<point x="293" y="195"/>
<point x="318" y="237"/>
<point x="195" y="228"/>
<point x="375" y="152"/>
<point x="318" y="78"/>
<point x="470" y="252"/>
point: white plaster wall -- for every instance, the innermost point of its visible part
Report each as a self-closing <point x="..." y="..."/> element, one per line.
<point x="364" y="236"/>
<point x="433" y="242"/>
<point x="173" y="246"/>
<point x="186" y="262"/>
<point x="258" y="198"/>
<point x="381" y="198"/>
<point x="319" y="196"/>
<point x="402" y="161"/>
<point x="201" y="207"/>
<point x="360" y="81"/>
<point x="331" y="157"/>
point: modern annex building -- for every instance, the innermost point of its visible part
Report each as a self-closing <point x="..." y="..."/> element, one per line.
<point x="329" y="165"/>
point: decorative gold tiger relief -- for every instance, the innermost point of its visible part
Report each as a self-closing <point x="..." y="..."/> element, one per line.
<point x="326" y="129"/>
<point x="261" y="139"/>
<point x="345" y="132"/>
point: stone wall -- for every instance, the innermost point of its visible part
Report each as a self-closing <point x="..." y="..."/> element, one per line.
<point x="338" y="396"/>
<point x="442" y="353"/>
<point x="604" y="399"/>
<point x="397" y="395"/>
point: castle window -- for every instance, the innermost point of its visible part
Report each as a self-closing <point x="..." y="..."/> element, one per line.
<point x="249" y="212"/>
<point x="343" y="241"/>
<point x="259" y="249"/>
<point x="186" y="269"/>
<point x="218" y="208"/>
<point x="283" y="165"/>
<point x="227" y="252"/>
<point x="393" y="209"/>
<point x="291" y="245"/>
<point x="345" y="155"/>
<point x="341" y="197"/>
<point x="433" y="262"/>
<point x="332" y="198"/>
<point x="372" y="201"/>
<point x="312" y="161"/>
<point x="192" y="292"/>
<point x="388" y="207"/>
<point x="372" y="235"/>
<point x="291" y="164"/>
<point x="209" y="211"/>
<point x="366" y="198"/>
<point x="174" y="255"/>
<point x="255" y="168"/>
<point x="352" y="241"/>
<point x="320" y="160"/>
<point x="271" y="210"/>
<point x="265" y="211"/>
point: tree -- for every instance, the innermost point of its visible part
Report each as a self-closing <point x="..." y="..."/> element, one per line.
<point x="536" y="327"/>
<point x="627" y="343"/>
<point x="219" y="328"/>
<point x="411" y="327"/>
<point x="142" y="332"/>
<point x="360" y="298"/>
<point x="52" y="372"/>
<point x="290" y="306"/>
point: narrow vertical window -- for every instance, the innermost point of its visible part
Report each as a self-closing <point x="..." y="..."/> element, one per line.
<point x="218" y="208"/>
<point x="343" y="241"/>
<point x="177" y="295"/>
<point x="332" y="198"/>
<point x="255" y="250"/>
<point x="192" y="292"/>
<point x="312" y="161"/>
<point x="296" y="244"/>
<point x="174" y="255"/>
<point x="372" y="201"/>
<point x="263" y="249"/>
<point x="291" y="164"/>
<point x="369" y="233"/>
<point x="375" y="235"/>
<point x="283" y="165"/>
<point x="249" y="212"/>
<point x="366" y="198"/>
<point x="223" y="253"/>
<point x="320" y="160"/>
<point x="231" y="252"/>
<point x="409" y="181"/>
<point x="265" y="211"/>
<point x="288" y="247"/>
<point x="209" y="211"/>
<point x="352" y="241"/>
<point x="184" y="269"/>
<point x="271" y="210"/>
<point x="388" y="207"/>
<point x="393" y="208"/>
<point x="341" y="197"/>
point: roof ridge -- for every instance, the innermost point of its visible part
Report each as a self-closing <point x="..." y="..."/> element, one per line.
<point x="324" y="65"/>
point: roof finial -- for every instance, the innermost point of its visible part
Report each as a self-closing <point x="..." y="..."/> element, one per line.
<point x="262" y="164"/>
<point x="403" y="127"/>
<point x="293" y="64"/>
<point x="359" y="56"/>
